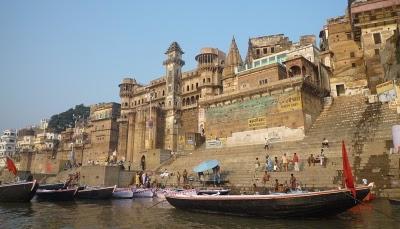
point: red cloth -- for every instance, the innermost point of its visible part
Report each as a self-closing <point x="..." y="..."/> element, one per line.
<point x="347" y="171"/>
<point x="11" y="166"/>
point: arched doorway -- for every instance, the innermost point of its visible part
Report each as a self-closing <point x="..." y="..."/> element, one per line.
<point x="294" y="71"/>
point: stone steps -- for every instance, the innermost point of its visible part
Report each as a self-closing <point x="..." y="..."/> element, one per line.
<point x="364" y="127"/>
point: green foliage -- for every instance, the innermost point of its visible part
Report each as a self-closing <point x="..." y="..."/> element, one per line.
<point x="66" y="119"/>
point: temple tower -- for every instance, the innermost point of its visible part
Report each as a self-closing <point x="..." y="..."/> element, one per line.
<point x="173" y="66"/>
<point x="233" y="60"/>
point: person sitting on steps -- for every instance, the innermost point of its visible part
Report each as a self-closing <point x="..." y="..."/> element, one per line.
<point x="325" y="143"/>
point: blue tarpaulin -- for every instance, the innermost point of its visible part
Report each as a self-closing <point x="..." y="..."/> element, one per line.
<point x="206" y="165"/>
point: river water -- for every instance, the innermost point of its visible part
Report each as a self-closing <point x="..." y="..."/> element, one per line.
<point x="141" y="213"/>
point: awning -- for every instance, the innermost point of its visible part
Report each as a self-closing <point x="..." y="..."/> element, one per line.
<point x="206" y="165"/>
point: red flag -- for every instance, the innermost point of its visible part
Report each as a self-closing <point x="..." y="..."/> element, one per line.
<point x="347" y="171"/>
<point x="11" y="166"/>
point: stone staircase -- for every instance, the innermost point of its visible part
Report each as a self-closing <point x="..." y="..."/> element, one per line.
<point x="365" y="128"/>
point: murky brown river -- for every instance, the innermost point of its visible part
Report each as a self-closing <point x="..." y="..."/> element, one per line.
<point x="139" y="213"/>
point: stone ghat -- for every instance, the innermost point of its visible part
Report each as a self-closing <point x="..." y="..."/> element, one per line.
<point x="365" y="128"/>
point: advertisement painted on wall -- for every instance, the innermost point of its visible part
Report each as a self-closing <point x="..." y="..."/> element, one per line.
<point x="386" y="91"/>
<point x="290" y="102"/>
<point x="257" y="122"/>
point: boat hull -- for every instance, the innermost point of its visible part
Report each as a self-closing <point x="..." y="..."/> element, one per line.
<point x="143" y="193"/>
<point x="213" y="192"/>
<point x="52" y="186"/>
<point x="313" y="204"/>
<point x="56" y="195"/>
<point x="394" y="201"/>
<point x="122" y="193"/>
<point x="19" y="192"/>
<point x="96" y="194"/>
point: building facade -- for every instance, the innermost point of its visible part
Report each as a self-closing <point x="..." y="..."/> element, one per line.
<point x="276" y="93"/>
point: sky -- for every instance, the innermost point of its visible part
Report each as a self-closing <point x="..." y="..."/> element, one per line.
<point x="57" y="54"/>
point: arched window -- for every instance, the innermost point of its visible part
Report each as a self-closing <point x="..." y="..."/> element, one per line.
<point x="187" y="88"/>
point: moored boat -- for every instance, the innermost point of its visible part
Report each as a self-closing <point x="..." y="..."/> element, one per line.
<point x="122" y="193"/>
<point x="213" y="192"/>
<point x="96" y="193"/>
<point x="56" y="195"/>
<point x="18" y="192"/>
<point x="142" y="193"/>
<point x="54" y="186"/>
<point x="394" y="201"/>
<point x="311" y="204"/>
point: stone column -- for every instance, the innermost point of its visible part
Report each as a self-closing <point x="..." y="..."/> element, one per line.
<point x="130" y="138"/>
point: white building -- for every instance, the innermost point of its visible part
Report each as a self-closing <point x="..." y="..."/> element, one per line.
<point x="8" y="142"/>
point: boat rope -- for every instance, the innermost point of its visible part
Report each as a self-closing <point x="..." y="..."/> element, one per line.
<point x="379" y="211"/>
<point x="156" y="204"/>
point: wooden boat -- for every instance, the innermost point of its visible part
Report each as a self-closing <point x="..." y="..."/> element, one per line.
<point x="54" y="186"/>
<point x="161" y="193"/>
<point x="311" y="204"/>
<point x="18" y="192"/>
<point x="142" y="193"/>
<point x="56" y="195"/>
<point x="394" y="201"/>
<point x="213" y="192"/>
<point x="122" y="193"/>
<point x="98" y="193"/>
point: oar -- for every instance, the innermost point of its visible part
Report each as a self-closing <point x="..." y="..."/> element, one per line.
<point x="156" y="203"/>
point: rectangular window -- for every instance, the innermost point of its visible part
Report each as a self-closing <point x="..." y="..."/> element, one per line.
<point x="352" y="54"/>
<point x="377" y="52"/>
<point x="377" y="38"/>
<point x="372" y="17"/>
<point x="348" y="36"/>
<point x="272" y="49"/>
<point x="265" y="50"/>
<point x="258" y="52"/>
<point x="264" y="81"/>
<point x="353" y="65"/>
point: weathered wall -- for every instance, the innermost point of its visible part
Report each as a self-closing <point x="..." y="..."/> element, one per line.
<point x="347" y="58"/>
<point x="271" y="73"/>
<point x="312" y="107"/>
<point x="371" y="48"/>
<point x="97" y="175"/>
<point x="255" y="113"/>
<point x="189" y="121"/>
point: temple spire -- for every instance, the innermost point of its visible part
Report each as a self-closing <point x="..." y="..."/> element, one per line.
<point x="232" y="60"/>
<point x="249" y="56"/>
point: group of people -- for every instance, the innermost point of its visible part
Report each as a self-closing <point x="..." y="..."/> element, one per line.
<point x="278" y="187"/>
<point x="143" y="179"/>
<point x="182" y="178"/>
<point x="276" y="165"/>
<point x="285" y="187"/>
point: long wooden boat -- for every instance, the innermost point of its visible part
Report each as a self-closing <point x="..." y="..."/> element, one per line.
<point x="56" y="195"/>
<point x="54" y="186"/>
<point x="96" y="193"/>
<point x="122" y="193"/>
<point x="18" y="192"/>
<point x="394" y="201"/>
<point x="310" y="204"/>
<point x="213" y="192"/>
<point x="143" y="193"/>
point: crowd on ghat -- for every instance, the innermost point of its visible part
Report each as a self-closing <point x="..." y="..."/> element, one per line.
<point x="285" y="164"/>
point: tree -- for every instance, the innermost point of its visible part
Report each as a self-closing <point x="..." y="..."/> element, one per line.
<point x="66" y="119"/>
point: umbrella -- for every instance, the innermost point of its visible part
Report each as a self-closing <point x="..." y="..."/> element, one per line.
<point x="206" y="165"/>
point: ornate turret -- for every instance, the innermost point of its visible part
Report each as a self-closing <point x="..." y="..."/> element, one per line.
<point x="173" y="66"/>
<point x="232" y="60"/>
